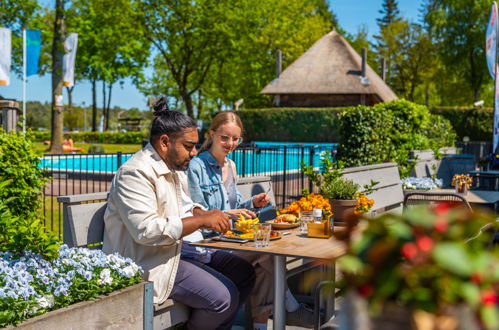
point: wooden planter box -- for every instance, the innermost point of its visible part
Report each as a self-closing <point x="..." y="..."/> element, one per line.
<point x="122" y="309"/>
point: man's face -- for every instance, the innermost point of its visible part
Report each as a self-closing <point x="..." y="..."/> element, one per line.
<point x="180" y="149"/>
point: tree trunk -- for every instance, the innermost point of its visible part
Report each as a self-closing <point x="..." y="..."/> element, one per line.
<point x="104" y="112"/>
<point x="200" y="104"/>
<point x="57" y="55"/>
<point x="108" y="107"/>
<point x="427" y="95"/>
<point x="186" y="97"/>
<point x="94" y="105"/>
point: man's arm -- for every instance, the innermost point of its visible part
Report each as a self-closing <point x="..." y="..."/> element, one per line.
<point x="214" y="219"/>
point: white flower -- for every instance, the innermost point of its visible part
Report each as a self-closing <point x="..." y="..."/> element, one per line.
<point x="46" y="301"/>
<point x="129" y="271"/>
<point x="105" y="277"/>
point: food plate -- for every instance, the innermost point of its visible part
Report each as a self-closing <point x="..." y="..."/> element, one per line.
<point x="237" y="238"/>
<point x="283" y="225"/>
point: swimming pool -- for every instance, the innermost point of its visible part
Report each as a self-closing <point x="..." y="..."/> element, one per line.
<point x="264" y="158"/>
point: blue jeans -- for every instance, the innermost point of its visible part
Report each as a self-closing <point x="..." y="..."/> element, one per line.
<point x="215" y="291"/>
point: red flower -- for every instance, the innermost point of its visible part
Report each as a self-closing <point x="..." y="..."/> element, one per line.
<point x="489" y="297"/>
<point x="409" y="250"/>
<point x="365" y="291"/>
<point x="424" y="243"/>
<point x="441" y="224"/>
<point x="476" y="278"/>
<point x="442" y="208"/>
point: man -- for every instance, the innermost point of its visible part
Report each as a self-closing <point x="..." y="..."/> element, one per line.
<point x="148" y="213"/>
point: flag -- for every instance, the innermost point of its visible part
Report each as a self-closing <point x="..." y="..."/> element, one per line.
<point x="5" y="50"/>
<point x="495" y="137"/>
<point x="68" y="61"/>
<point x="33" y="46"/>
<point x="491" y="40"/>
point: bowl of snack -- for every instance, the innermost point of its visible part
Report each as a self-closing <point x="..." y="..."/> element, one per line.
<point x="246" y="225"/>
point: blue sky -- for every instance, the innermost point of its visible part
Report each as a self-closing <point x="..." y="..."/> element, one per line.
<point x="351" y="14"/>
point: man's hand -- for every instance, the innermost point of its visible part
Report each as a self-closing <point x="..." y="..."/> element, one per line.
<point x="216" y="220"/>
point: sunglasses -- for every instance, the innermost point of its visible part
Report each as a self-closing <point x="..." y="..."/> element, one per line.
<point x="234" y="139"/>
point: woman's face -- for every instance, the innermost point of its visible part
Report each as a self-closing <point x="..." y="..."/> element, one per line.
<point x="225" y="139"/>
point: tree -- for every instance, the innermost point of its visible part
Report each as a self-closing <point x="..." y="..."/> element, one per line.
<point x="390" y="25"/>
<point x="111" y="46"/>
<point x="460" y="26"/>
<point x="390" y="13"/>
<point x="57" y="55"/>
<point x="214" y="53"/>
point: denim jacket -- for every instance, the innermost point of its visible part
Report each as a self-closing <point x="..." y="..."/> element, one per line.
<point x="206" y="186"/>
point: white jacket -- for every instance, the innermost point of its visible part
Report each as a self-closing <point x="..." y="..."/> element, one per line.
<point x="143" y="218"/>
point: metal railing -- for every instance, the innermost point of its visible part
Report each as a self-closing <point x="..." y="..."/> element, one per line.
<point x="71" y="174"/>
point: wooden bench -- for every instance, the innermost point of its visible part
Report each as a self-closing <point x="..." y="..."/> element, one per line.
<point x="83" y="217"/>
<point x="83" y="225"/>
<point x="389" y="194"/>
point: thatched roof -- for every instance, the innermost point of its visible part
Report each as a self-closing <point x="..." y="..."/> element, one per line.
<point x="330" y="66"/>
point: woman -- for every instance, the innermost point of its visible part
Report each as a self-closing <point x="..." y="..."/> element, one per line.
<point x="212" y="183"/>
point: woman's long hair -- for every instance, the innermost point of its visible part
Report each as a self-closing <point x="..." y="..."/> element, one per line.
<point x="220" y="119"/>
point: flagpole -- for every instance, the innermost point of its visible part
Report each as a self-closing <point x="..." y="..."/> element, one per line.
<point x="24" y="80"/>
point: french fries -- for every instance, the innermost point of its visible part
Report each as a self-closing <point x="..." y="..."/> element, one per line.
<point x="246" y="225"/>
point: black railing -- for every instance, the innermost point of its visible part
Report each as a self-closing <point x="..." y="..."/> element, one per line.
<point x="71" y="174"/>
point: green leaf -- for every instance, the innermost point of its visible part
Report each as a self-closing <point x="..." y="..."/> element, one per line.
<point x="453" y="258"/>
<point x="350" y="264"/>
<point x="471" y="293"/>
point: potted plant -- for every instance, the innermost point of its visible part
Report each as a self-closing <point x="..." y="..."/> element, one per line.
<point x="426" y="265"/>
<point x="342" y="193"/>
<point x="462" y="182"/>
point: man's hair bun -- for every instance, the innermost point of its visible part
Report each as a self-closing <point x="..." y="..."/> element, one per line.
<point x="161" y="107"/>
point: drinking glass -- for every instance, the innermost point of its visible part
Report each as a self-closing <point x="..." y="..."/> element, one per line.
<point x="259" y="234"/>
<point x="305" y="217"/>
<point x="266" y="229"/>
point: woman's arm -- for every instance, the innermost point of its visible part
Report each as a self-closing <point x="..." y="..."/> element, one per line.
<point x="194" y="174"/>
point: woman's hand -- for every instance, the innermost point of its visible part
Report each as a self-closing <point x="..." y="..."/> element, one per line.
<point x="244" y="212"/>
<point x="261" y="200"/>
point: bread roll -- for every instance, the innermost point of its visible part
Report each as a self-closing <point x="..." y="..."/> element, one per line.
<point x="290" y="218"/>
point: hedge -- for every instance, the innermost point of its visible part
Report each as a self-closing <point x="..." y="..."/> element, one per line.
<point x="389" y="131"/>
<point x="476" y="123"/>
<point x="96" y="137"/>
<point x="291" y="124"/>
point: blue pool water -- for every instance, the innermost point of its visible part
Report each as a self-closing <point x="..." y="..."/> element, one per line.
<point x="267" y="158"/>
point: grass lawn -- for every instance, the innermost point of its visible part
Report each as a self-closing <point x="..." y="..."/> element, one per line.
<point x="108" y="148"/>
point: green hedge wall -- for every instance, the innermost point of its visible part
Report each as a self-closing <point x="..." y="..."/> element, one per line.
<point x="96" y="137"/>
<point x="291" y="124"/>
<point x="389" y="131"/>
<point x="476" y="123"/>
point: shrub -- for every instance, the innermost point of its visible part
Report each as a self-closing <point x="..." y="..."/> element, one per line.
<point x="476" y="123"/>
<point x="96" y="137"/>
<point x="388" y="132"/>
<point x="291" y="124"/>
<point x="22" y="194"/>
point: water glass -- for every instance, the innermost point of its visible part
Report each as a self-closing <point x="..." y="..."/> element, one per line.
<point x="305" y="217"/>
<point x="261" y="234"/>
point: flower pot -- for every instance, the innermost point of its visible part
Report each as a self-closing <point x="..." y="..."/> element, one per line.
<point x="463" y="189"/>
<point x="123" y="309"/>
<point x="342" y="208"/>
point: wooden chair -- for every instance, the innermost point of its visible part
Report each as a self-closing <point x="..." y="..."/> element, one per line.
<point x="428" y="197"/>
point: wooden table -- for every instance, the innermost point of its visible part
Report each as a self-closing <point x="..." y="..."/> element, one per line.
<point x="296" y="244"/>
<point x="477" y="197"/>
